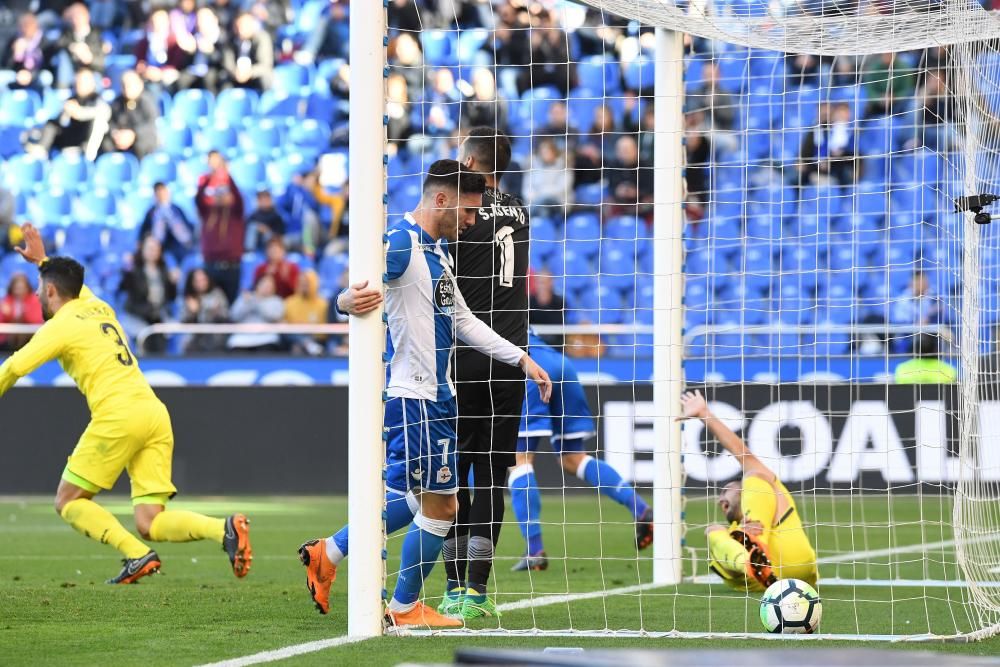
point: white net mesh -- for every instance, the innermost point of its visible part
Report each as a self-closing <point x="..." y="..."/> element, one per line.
<point x="825" y="146"/>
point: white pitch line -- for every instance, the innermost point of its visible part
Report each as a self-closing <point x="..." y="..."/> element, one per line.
<point x="906" y="549"/>
<point x="287" y="652"/>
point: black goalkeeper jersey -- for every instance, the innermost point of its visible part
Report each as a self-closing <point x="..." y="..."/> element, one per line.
<point x="491" y="267"/>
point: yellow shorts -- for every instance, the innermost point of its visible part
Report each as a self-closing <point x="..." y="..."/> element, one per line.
<point x="138" y="439"/>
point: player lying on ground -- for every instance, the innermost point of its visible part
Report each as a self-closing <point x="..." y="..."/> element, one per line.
<point x="765" y="540"/>
<point x="129" y="427"/>
<point x="425" y="312"/>
<point x="568" y="423"/>
<point x="491" y="268"/>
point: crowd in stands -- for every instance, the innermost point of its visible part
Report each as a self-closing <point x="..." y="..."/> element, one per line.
<point x="193" y="155"/>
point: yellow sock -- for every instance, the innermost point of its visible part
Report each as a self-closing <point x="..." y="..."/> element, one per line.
<point x="727" y="552"/>
<point x="99" y="524"/>
<point x="184" y="526"/>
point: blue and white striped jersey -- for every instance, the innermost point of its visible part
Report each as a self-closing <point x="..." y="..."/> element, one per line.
<point x="425" y="313"/>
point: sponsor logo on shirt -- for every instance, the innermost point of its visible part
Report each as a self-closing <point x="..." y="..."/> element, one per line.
<point x="444" y="294"/>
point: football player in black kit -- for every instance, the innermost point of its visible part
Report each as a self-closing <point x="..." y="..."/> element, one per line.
<point x="491" y="267"/>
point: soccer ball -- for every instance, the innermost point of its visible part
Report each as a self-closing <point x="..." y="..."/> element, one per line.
<point x="791" y="606"/>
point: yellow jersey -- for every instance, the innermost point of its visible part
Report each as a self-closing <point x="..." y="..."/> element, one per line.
<point x="87" y="340"/>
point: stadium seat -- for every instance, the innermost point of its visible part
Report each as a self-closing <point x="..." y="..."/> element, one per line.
<point x="249" y="172"/>
<point x="275" y="104"/>
<point x="96" y="205"/>
<point x="69" y="171"/>
<point x="18" y="107"/>
<point x="23" y="173"/>
<point x="53" y="100"/>
<point x="470" y="41"/>
<point x="82" y="241"/>
<point x="235" y="106"/>
<point x="132" y="208"/>
<point x="115" y="171"/>
<point x="292" y="78"/>
<point x="640" y="74"/>
<point x="157" y="167"/>
<point x="440" y="47"/>
<point x="330" y="269"/>
<point x="311" y="134"/>
<point x="51" y="207"/>
<point x="222" y="138"/>
<point x="192" y="107"/>
<point x="249" y="264"/>
<point x="583" y="234"/>
<point x="262" y="137"/>
<point x="177" y="140"/>
<point x="600" y="75"/>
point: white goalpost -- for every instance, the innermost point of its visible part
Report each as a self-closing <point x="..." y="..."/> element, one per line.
<point x="790" y="238"/>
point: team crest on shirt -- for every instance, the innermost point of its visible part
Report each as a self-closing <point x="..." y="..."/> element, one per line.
<point x="444" y="294"/>
<point x="444" y="475"/>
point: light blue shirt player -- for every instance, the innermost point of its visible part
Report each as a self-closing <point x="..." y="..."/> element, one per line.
<point x="425" y="313"/>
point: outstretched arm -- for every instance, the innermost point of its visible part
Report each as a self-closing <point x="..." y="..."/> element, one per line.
<point x="695" y="406"/>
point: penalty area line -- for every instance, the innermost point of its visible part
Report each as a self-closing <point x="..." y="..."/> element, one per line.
<point x="286" y="652"/>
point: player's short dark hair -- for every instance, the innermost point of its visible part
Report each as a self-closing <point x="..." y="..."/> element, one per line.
<point x="451" y="174"/>
<point x="490" y="148"/>
<point x="159" y="185"/>
<point x="65" y="274"/>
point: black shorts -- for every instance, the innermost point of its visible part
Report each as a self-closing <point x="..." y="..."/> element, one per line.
<point x="489" y="412"/>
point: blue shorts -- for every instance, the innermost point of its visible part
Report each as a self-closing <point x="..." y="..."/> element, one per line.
<point x="567" y="420"/>
<point x="421" y="445"/>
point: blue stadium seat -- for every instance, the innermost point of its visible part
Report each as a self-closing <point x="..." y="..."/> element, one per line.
<point x="176" y="139"/>
<point x="330" y="269"/>
<point x="18" y="107"/>
<point x="263" y="137"/>
<point x="583" y="234"/>
<point x="310" y="134"/>
<point x="192" y="107"/>
<point x="53" y="100"/>
<point x="222" y="138"/>
<point x="234" y="106"/>
<point x="600" y="75"/>
<point x="470" y="41"/>
<point x="132" y="207"/>
<point x="157" y="167"/>
<point x="51" y="207"/>
<point x="82" y="241"/>
<point x="115" y="171"/>
<point x="249" y="172"/>
<point x="96" y="205"/>
<point x="322" y="107"/>
<point x="23" y="173"/>
<point x="275" y="104"/>
<point x="249" y="264"/>
<point x="292" y="78"/>
<point x="640" y="73"/>
<point x="440" y="47"/>
<point x="69" y="171"/>
<point x="590" y="195"/>
<point x="625" y="227"/>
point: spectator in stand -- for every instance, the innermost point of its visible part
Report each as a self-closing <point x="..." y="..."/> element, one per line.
<point x="20" y="306"/>
<point x="277" y="266"/>
<point x="249" y="60"/>
<point x="339" y="205"/>
<point x="204" y="303"/>
<point x="887" y="81"/>
<point x="828" y="149"/>
<point x="545" y="306"/>
<point x="205" y="67"/>
<point x="916" y="306"/>
<point x="264" y="223"/>
<point x="82" y="123"/>
<point x="159" y="58"/>
<point x="722" y="108"/>
<point x="165" y="221"/>
<point x="548" y="183"/>
<point x="306" y="306"/>
<point x="482" y="106"/>
<point x="80" y="46"/>
<point x="698" y="148"/>
<point x="227" y="12"/>
<point x="25" y="54"/>
<point x="300" y="210"/>
<point x="404" y="16"/>
<point x="802" y="70"/>
<point x="262" y="306"/>
<point x="10" y="233"/>
<point x="133" y="119"/>
<point x="511" y="44"/>
<point x="550" y="62"/>
<point x="223" y="227"/>
<point x="628" y="181"/>
<point x="330" y="37"/>
<point x="398" y="110"/>
<point x="406" y="58"/>
<point x="935" y="107"/>
<point x="928" y="367"/>
<point x="150" y="289"/>
<point x="184" y="24"/>
<point x="559" y="129"/>
<point x="595" y="147"/>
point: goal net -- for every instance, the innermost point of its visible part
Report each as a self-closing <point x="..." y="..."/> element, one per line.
<point x="767" y="206"/>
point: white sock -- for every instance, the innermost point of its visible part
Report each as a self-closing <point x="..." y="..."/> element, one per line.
<point x="581" y="469"/>
<point x="333" y="551"/>
<point x="397" y="606"/>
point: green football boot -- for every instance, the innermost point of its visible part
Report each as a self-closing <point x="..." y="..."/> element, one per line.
<point x="451" y="603"/>
<point x="478" y="606"/>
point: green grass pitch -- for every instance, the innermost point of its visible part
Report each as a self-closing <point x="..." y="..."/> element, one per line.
<point x="57" y="610"/>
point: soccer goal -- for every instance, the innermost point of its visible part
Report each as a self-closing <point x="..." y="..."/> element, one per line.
<point x="784" y="205"/>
